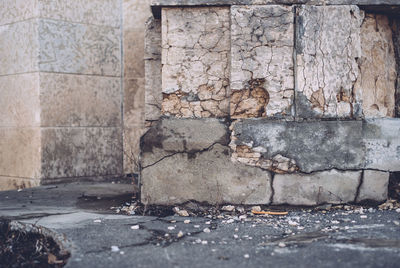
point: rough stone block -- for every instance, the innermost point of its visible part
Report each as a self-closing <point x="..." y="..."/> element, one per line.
<point x="153" y="88"/>
<point x="20" y="154"/>
<point x="95" y="12"/>
<point x="81" y="152"/>
<point x="262" y="79"/>
<point x="171" y="135"/>
<point x="382" y="144"/>
<point x="17" y="10"/>
<point x="78" y="48"/>
<point x="376" y="83"/>
<point x="374" y="186"/>
<point x="79" y="100"/>
<point x="19" y="100"/>
<point x="213" y="178"/>
<point x="19" y="47"/>
<point x="298" y="146"/>
<point x="195" y="58"/>
<point x="327" y="47"/>
<point x="12" y="183"/>
<point x="332" y="186"/>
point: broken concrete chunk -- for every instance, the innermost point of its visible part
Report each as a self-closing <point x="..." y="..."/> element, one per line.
<point x="262" y="42"/>
<point x="374" y="186"/>
<point x="172" y="135"/>
<point x="376" y="82"/>
<point x="327" y="47"/>
<point x="332" y="186"/>
<point x="207" y="176"/>
<point x="195" y="61"/>
<point x="285" y="147"/>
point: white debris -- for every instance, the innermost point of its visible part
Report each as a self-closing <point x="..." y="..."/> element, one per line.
<point x="183" y="213"/>
<point x="228" y="208"/>
<point x="256" y="208"/>
<point x="196" y="226"/>
<point x="230" y="221"/>
<point x="292" y="223"/>
<point x="114" y="249"/>
<point x="281" y="245"/>
<point x="396" y="222"/>
<point x="180" y="234"/>
<point x="186" y="221"/>
<point x="204" y="242"/>
<point x="97" y="221"/>
<point x="135" y="227"/>
<point x="398" y="210"/>
<point x="171" y="228"/>
<point x="246" y="256"/>
<point x="208" y="222"/>
<point x="363" y="216"/>
<point x="235" y="236"/>
<point x="335" y="222"/>
<point x="206" y="230"/>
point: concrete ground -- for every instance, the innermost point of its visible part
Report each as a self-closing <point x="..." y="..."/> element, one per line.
<point x="79" y="216"/>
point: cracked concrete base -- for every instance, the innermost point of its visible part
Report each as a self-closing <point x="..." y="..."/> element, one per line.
<point x="310" y="163"/>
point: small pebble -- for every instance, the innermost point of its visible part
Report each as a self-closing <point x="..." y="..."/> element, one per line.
<point x="204" y="242"/>
<point x="135" y="227"/>
<point x="396" y="222"/>
<point x="186" y="221"/>
<point x="363" y="216"/>
<point x="281" y="245"/>
<point x="114" y="249"/>
<point x="171" y="228"/>
<point x="180" y="234"/>
<point x="256" y="208"/>
<point x="228" y="208"/>
<point x="196" y="226"/>
<point x="97" y="221"/>
<point x="206" y="230"/>
<point x="246" y="256"/>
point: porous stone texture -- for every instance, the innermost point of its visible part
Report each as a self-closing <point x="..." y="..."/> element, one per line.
<point x="327" y="47"/>
<point x="195" y="61"/>
<point x="382" y="144"/>
<point x="332" y="186"/>
<point x="79" y="100"/>
<point x="374" y="186"/>
<point x="153" y="95"/>
<point x="298" y="146"/>
<point x="262" y="80"/>
<point x="376" y="82"/>
<point x="175" y="146"/>
<point x="90" y="50"/>
<point x="396" y="43"/>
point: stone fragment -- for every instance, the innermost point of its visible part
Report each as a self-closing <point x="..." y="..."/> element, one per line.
<point x="285" y="147"/>
<point x="195" y="61"/>
<point x="228" y="208"/>
<point x="376" y="82"/>
<point x="381" y="140"/>
<point x="374" y="186"/>
<point x="332" y="186"/>
<point x="327" y="47"/>
<point x="262" y="42"/>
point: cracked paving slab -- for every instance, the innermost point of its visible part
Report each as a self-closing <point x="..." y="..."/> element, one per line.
<point x="346" y="237"/>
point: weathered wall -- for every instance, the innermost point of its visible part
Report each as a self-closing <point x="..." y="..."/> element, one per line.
<point x="60" y="91"/>
<point x="310" y="91"/>
<point x="135" y="15"/>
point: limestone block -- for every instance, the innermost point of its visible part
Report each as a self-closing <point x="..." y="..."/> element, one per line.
<point x="374" y="186"/>
<point x="195" y="58"/>
<point x="307" y="146"/>
<point x="382" y="144"/>
<point x="135" y="14"/>
<point x="79" y="100"/>
<point x="81" y="152"/>
<point x="78" y="48"/>
<point x="20" y="153"/>
<point x="134" y="102"/>
<point x="334" y="187"/>
<point x="212" y="179"/>
<point x="19" y="100"/>
<point x="376" y="83"/>
<point x="12" y="183"/>
<point x="95" y="12"/>
<point x="134" y="53"/>
<point x="153" y="88"/>
<point x="327" y="46"/>
<point x="17" y="10"/>
<point x="171" y="135"/>
<point x="262" y="80"/>
<point x="131" y="136"/>
<point x="19" y="47"/>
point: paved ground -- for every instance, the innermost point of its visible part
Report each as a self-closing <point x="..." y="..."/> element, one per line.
<point x="79" y="216"/>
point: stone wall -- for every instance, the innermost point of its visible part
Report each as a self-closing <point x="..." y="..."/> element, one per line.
<point x="269" y="103"/>
<point x="60" y="88"/>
